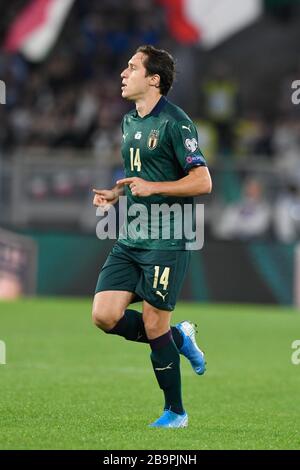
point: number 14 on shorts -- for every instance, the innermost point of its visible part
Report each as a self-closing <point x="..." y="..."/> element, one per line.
<point x="161" y="277"/>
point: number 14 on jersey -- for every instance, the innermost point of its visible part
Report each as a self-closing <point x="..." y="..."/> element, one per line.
<point x="135" y="159"/>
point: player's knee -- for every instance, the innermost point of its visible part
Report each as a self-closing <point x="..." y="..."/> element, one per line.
<point x="103" y="319"/>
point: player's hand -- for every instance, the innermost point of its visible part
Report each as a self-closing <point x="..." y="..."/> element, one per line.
<point x="138" y="186"/>
<point x="104" y="198"/>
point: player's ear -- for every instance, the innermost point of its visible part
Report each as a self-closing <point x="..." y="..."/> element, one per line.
<point x="155" y="80"/>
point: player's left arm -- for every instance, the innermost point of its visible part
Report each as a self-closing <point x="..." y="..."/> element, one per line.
<point x="197" y="182"/>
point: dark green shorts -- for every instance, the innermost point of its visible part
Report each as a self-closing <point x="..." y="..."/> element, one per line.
<point x="155" y="276"/>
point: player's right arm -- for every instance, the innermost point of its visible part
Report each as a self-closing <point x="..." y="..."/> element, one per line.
<point x="106" y="197"/>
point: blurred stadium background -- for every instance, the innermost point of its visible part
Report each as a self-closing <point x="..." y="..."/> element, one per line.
<point x="60" y="135"/>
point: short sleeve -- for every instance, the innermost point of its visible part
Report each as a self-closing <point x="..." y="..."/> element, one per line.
<point x="184" y="139"/>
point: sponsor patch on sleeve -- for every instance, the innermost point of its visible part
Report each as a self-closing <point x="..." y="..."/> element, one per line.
<point x="194" y="160"/>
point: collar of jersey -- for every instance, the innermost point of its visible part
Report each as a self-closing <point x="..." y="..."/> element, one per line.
<point x="156" y="110"/>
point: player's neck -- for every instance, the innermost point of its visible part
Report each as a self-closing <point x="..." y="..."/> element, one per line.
<point x="145" y="105"/>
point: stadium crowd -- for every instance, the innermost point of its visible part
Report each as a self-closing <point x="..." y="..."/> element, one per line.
<point x="72" y="100"/>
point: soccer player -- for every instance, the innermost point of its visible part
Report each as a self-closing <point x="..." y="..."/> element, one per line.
<point x="163" y="165"/>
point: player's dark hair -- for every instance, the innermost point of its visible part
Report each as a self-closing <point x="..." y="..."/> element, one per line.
<point x="159" y="62"/>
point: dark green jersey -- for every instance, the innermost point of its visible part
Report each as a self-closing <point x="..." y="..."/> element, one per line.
<point x="162" y="146"/>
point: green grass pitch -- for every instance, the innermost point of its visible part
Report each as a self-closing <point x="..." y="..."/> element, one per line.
<point x="66" y="385"/>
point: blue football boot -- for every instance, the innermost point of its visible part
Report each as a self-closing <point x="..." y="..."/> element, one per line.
<point x="169" y="419"/>
<point x="190" y="349"/>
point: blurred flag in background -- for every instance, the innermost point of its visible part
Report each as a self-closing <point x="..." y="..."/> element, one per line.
<point x="36" y="28"/>
<point x="209" y="21"/>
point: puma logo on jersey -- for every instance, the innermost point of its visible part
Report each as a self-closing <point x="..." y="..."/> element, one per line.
<point x="161" y="295"/>
<point x="165" y="368"/>
<point x="186" y="127"/>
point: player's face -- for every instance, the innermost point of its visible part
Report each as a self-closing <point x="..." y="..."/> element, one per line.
<point x="135" y="84"/>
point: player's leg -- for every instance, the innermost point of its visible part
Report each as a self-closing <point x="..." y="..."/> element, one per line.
<point x="166" y="365"/>
<point x="164" y="356"/>
<point x="160" y="284"/>
<point x="115" y="290"/>
<point x="109" y="307"/>
<point x="110" y="314"/>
